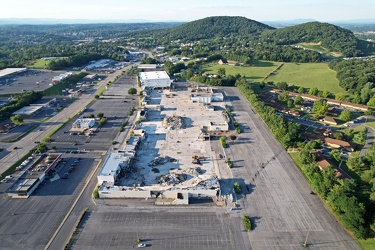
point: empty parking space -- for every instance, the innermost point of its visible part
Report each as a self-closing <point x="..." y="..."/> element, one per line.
<point x="30" y="80"/>
<point x="118" y="228"/>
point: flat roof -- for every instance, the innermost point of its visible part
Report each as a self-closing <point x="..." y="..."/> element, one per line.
<point x="112" y="163"/>
<point x="9" y="71"/>
<point x="153" y="75"/>
<point x="27" y="110"/>
<point x="22" y="184"/>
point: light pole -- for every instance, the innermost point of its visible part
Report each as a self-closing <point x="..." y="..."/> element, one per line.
<point x="18" y="158"/>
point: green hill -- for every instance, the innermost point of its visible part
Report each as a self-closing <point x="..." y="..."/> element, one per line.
<point x="217" y="26"/>
<point x="331" y="37"/>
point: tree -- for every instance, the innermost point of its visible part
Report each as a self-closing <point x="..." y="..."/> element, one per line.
<point x="41" y="148"/>
<point x="284" y="96"/>
<point x="301" y="90"/>
<point x="365" y="92"/>
<point x="360" y="138"/>
<point x="314" y="91"/>
<point x="306" y="156"/>
<point x="335" y="154"/>
<point x="102" y="121"/>
<point x="298" y="100"/>
<point x="371" y="102"/>
<point x="290" y="103"/>
<point x="100" y="115"/>
<point x="17" y="119"/>
<point x="345" y="115"/>
<point x="340" y="96"/>
<point x="132" y="91"/>
<point x="282" y="85"/>
<point x="320" y="107"/>
<point x="168" y="66"/>
<point x="221" y="71"/>
<point x="354" y="163"/>
<point x="326" y="94"/>
<point x="262" y="85"/>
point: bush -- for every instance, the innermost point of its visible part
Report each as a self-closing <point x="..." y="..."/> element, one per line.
<point x="247" y="223"/>
<point x="223" y="141"/>
<point x="132" y="91"/>
<point x="229" y="162"/>
<point x="95" y="194"/>
<point x="237" y="187"/>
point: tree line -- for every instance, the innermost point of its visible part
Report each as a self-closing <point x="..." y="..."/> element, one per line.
<point x="357" y="77"/>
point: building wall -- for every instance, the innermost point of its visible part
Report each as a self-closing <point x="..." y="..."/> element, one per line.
<point x="200" y="99"/>
<point x="156" y="83"/>
<point x="107" y="178"/>
<point x="124" y="194"/>
<point x="218" y="127"/>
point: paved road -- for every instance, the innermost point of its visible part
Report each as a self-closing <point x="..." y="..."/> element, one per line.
<point x="370" y="137"/>
<point x="277" y="196"/>
<point x="28" y="142"/>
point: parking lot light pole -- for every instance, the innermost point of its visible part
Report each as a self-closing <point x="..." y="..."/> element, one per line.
<point x="18" y="158"/>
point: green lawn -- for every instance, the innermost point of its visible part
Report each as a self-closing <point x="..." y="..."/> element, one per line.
<point x="367" y="244"/>
<point x="255" y="73"/>
<point x="38" y="64"/>
<point x="371" y="124"/>
<point x="308" y="75"/>
<point x="300" y="74"/>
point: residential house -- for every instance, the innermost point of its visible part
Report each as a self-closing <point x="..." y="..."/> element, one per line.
<point x="329" y="120"/>
<point x="339" y="144"/>
<point x="228" y="62"/>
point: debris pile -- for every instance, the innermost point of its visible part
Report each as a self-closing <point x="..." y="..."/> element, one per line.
<point x="193" y="171"/>
<point x="172" y="179"/>
<point x="212" y="183"/>
<point x="161" y="160"/>
<point x="174" y="122"/>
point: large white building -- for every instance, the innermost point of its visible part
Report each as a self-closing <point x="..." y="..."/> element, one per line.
<point x="155" y="79"/>
<point x="62" y="77"/>
<point x="112" y="166"/>
<point x="11" y="71"/>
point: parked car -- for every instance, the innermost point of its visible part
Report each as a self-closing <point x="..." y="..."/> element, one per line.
<point x="141" y="245"/>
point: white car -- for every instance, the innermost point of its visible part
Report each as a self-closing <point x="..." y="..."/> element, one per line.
<point x="141" y="245"/>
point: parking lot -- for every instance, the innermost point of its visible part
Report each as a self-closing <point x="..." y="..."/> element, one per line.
<point x="104" y="135"/>
<point x="115" y="227"/>
<point x="30" y="223"/>
<point x="32" y="80"/>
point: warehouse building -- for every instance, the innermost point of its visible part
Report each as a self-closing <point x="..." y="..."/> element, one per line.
<point x="4" y="73"/>
<point x="155" y="79"/>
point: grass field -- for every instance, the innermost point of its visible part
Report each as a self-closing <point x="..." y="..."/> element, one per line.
<point x="256" y="72"/>
<point x="307" y="75"/>
<point x="38" y="64"/>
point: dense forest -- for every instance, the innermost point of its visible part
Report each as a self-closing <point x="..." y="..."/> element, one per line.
<point x="332" y="37"/>
<point x="357" y="77"/>
<point x="218" y="26"/>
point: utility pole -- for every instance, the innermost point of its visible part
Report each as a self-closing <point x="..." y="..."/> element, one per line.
<point x="307" y="236"/>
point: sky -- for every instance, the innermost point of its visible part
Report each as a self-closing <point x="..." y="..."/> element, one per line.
<point x="189" y="10"/>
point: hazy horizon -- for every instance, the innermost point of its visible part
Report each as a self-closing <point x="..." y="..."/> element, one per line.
<point x="168" y="10"/>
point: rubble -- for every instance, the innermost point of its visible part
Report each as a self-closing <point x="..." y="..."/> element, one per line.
<point x="171" y="179"/>
<point x="212" y="183"/>
<point x="161" y="160"/>
<point x="174" y="122"/>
